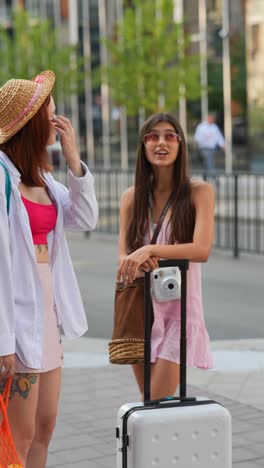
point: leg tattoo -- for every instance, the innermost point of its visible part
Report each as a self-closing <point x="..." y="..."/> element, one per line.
<point x="21" y="384"/>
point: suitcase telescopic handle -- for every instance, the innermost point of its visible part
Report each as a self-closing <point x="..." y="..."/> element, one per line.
<point x="183" y="265"/>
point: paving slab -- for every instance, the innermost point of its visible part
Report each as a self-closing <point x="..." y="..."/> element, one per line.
<point x="85" y="431"/>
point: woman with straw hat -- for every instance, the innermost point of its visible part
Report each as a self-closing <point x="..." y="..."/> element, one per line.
<point x="40" y="298"/>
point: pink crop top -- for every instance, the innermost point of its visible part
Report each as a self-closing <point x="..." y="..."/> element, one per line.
<point x="42" y="219"/>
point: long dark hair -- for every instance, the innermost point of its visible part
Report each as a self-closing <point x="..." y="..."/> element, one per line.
<point x="27" y="148"/>
<point x="183" y="212"/>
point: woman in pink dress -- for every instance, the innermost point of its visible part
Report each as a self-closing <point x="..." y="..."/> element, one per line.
<point x="187" y="233"/>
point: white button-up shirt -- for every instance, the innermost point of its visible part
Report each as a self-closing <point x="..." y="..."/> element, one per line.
<point x="22" y="302"/>
<point x="208" y="135"/>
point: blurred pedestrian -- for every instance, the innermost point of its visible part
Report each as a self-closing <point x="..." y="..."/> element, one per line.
<point x="208" y="138"/>
<point x="186" y="233"/>
<point x="39" y="294"/>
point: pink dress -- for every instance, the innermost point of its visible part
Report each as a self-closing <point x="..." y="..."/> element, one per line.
<point x="165" y="338"/>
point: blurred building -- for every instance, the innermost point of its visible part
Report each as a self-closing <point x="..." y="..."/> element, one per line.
<point x="86" y="22"/>
<point x="254" y="14"/>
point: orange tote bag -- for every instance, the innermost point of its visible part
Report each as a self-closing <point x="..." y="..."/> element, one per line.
<point x="8" y="454"/>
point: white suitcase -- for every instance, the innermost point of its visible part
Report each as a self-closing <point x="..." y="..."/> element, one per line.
<point x="174" y="432"/>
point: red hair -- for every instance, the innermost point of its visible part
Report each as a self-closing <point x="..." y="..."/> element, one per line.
<point x="27" y="148"/>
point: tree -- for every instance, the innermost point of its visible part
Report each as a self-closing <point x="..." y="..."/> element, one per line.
<point x="32" y="45"/>
<point x="150" y="61"/>
<point x="238" y="71"/>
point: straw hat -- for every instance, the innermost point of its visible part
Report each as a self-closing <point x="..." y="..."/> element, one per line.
<point x="20" y="100"/>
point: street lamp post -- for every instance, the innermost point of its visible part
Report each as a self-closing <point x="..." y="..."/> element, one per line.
<point x="203" y="59"/>
<point x="61" y="39"/>
<point x="224" y="34"/>
<point x="104" y="86"/>
<point x="123" y="112"/>
<point x="178" y="18"/>
<point x="87" y="83"/>
<point x="73" y="39"/>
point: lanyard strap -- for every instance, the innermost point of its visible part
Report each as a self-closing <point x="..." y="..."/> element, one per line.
<point x="161" y="218"/>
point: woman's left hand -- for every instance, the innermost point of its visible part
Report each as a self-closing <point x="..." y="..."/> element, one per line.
<point x="68" y="143"/>
<point x="151" y="264"/>
<point x="131" y="263"/>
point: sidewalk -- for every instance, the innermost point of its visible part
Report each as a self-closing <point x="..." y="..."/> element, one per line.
<point x="93" y="390"/>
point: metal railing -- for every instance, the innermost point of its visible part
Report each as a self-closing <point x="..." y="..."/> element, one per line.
<point x="239" y="213"/>
<point x="239" y="208"/>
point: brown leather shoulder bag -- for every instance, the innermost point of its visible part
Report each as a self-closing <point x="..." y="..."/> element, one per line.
<point x="127" y="344"/>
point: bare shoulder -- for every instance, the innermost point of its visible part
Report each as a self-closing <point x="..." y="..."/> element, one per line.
<point x="202" y="190"/>
<point x="127" y="197"/>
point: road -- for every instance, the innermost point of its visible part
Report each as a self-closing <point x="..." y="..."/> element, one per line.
<point x="233" y="290"/>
